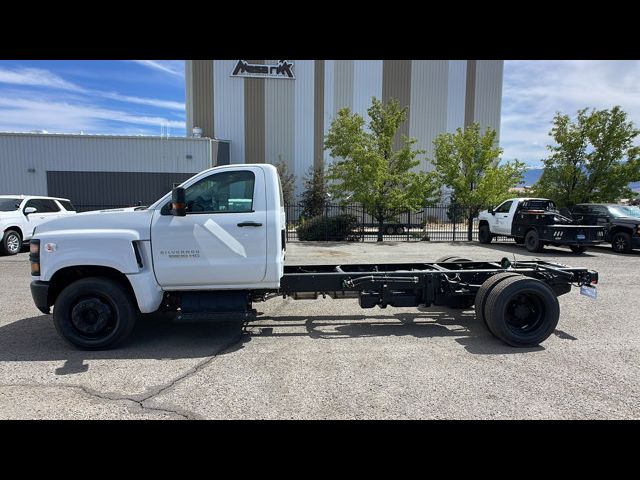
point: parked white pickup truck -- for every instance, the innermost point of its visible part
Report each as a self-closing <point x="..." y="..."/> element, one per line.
<point x="216" y="243"/>
<point x="20" y="214"/>
<point x="536" y="222"/>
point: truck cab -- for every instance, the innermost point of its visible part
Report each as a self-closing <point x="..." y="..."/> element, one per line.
<point x="226" y="235"/>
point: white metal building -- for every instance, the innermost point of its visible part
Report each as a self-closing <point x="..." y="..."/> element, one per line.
<point x="98" y="171"/>
<point x="275" y="111"/>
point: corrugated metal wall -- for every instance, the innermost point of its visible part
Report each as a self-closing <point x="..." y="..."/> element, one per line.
<point x="199" y="96"/>
<point x="52" y="152"/>
<point x="488" y="93"/>
<point x="291" y="129"/>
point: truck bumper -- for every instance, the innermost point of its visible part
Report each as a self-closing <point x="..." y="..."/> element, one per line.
<point x="40" y="294"/>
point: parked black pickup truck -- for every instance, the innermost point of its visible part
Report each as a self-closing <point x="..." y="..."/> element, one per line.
<point x="536" y="222"/>
<point x="621" y="223"/>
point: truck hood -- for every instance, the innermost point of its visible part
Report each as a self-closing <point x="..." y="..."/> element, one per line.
<point x="108" y="220"/>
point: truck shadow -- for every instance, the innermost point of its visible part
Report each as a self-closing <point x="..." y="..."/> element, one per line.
<point x="426" y="323"/>
<point x="155" y="337"/>
<point x="520" y="251"/>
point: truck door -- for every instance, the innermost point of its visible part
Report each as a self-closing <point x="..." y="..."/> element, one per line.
<point x="222" y="240"/>
<point x="503" y="218"/>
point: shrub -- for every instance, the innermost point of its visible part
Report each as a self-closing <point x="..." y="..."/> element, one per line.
<point x="338" y="228"/>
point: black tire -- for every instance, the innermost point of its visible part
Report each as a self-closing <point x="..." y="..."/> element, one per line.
<point x="484" y="234"/>
<point x="522" y="311"/>
<point x="450" y="259"/>
<point x="400" y="230"/>
<point x="389" y="230"/>
<point x="578" y="249"/>
<point x="485" y="289"/>
<point x="532" y="241"/>
<point x="11" y="242"/>
<point x="621" y="242"/>
<point x="95" y="313"/>
<point x="519" y="240"/>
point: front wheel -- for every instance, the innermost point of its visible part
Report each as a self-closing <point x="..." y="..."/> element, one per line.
<point x="94" y="313"/>
<point x="11" y="242"/>
<point x="484" y="234"/>
<point x="621" y="242"/>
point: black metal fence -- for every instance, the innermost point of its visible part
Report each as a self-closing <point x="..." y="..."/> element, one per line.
<point x="439" y="223"/>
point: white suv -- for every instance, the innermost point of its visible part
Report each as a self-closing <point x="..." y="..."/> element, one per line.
<point x="20" y="214"/>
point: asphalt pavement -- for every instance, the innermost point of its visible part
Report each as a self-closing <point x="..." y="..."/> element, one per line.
<point x="329" y="359"/>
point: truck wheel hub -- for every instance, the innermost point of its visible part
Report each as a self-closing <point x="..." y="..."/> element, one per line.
<point x="91" y="315"/>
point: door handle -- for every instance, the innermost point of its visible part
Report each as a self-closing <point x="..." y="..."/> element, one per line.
<point x="249" y="224"/>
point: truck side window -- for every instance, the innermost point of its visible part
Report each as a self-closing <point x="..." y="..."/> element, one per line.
<point x="43" y="205"/>
<point x="222" y="193"/>
<point x="504" y="208"/>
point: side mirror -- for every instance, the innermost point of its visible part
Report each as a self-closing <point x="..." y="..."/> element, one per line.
<point x="491" y="211"/>
<point x="29" y="210"/>
<point x="178" y="205"/>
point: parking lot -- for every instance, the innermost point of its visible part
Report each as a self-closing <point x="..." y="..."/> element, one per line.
<point x="329" y="359"/>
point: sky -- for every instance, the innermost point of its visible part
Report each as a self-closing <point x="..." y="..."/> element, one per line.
<point x="146" y="97"/>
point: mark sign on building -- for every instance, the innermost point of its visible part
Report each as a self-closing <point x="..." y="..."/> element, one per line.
<point x="282" y="69"/>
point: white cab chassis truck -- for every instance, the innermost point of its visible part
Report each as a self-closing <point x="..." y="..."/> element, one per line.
<point x="536" y="222"/>
<point x="216" y="244"/>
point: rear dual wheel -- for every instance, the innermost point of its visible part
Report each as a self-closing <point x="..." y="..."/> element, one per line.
<point x="521" y="311"/>
<point x="532" y="241"/>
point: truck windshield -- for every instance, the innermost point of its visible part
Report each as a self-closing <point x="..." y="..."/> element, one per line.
<point x="9" y="204"/>
<point x="625" y="211"/>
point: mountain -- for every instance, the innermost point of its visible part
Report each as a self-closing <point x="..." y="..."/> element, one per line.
<point x="532" y="175"/>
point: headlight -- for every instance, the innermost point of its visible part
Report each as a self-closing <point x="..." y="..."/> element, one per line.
<point x="34" y="257"/>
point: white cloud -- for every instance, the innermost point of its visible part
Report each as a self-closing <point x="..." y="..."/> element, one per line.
<point x="154" y="102"/>
<point x="36" y="77"/>
<point x="26" y="114"/>
<point x="174" y="67"/>
<point x="535" y="90"/>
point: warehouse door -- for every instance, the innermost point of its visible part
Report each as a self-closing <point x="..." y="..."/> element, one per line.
<point x="100" y="190"/>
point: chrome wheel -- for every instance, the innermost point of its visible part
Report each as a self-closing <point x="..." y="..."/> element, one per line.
<point x="13" y="243"/>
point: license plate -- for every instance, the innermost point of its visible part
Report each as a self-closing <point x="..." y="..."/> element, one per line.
<point x="591" y="292"/>
<point x="580" y="236"/>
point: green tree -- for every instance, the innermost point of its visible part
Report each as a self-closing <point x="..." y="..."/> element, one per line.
<point x="288" y="182"/>
<point x="593" y="159"/>
<point x="316" y="193"/>
<point x="367" y="169"/>
<point x="468" y="162"/>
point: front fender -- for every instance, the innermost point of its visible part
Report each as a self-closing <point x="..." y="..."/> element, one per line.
<point x="105" y="248"/>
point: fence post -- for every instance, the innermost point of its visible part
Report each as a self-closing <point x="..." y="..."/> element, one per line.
<point x="455" y="220"/>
